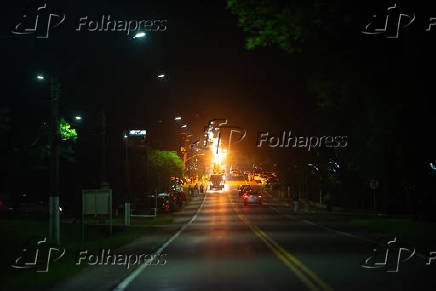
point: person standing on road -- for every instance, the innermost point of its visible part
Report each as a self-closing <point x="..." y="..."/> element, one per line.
<point x="295" y="200"/>
<point x="196" y="190"/>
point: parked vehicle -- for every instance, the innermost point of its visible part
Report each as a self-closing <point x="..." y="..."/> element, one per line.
<point x="6" y="206"/>
<point x="252" y="197"/>
<point x="244" y="188"/>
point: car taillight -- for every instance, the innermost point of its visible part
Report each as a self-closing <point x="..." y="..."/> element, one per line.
<point x="167" y="206"/>
<point x="245" y="196"/>
<point x="260" y="196"/>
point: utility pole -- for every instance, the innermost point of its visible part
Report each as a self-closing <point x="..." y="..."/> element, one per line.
<point x="104" y="183"/>
<point x="54" y="219"/>
<point x="126" y="164"/>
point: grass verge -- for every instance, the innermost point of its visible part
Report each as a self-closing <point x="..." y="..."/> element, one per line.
<point x="24" y="233"/>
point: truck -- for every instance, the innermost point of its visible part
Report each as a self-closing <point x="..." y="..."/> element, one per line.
<point x="216" y="181"/>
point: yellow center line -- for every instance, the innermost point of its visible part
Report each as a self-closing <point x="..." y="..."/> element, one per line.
<point x="308" y="277"/>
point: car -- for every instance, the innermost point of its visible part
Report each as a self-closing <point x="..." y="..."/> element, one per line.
<point x="252" y="197"/>
<point x="243" y="188"/>
<point x="164" y="202"/>
<point x="6" y="208"/>
<point x="179" y="197"/>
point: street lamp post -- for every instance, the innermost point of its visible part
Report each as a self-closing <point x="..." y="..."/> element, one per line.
<point x="126" y="164"/>
<point x="104" y="183"/>
<point x="54" y="218"/>
<point x="54" y="142"/>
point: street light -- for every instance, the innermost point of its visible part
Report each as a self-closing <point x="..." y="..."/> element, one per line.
<point x="140" y="34"/>
<point x="178" y="118"/>
<point x="78" y="117"/>
<point x="184" y="126"/>
<point x="54" y="140"/>
<point x="161" y="76"/>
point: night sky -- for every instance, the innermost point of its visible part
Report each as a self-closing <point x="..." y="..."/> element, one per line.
<point x="209" y="72"/>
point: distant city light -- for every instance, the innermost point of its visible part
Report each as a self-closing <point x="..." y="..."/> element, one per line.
<point x="138" y="132"/>
<point x="139" y="35"/>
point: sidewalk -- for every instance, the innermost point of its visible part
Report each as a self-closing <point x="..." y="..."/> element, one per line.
<point x="106" y="277"/>
<point x="315" y="208"/>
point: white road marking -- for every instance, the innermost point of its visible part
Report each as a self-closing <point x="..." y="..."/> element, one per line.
<point x="126" y="282"/>
<point x="358" y="237"/>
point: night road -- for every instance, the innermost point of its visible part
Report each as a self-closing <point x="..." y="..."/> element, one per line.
<point x="217" y="145"/>
<point x="234" y="247"/>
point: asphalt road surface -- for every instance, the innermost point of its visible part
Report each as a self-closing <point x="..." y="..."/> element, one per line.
<point x="229" y="246"/>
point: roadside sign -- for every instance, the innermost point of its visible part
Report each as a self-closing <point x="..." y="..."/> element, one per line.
<point x="139" y="132"/>
<point x="96" y="202"/>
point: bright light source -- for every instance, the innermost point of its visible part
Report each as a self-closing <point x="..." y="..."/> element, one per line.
<point x="78" y="117"/>
<point x="178" y="118"/>
<point x="184" y="126"/>
<point x="140" y="132"/>
<point x="139" y="35"/>
<point x="40" y="77"/>
<point x="432" y="166"/>
<point x="161" y="76"/>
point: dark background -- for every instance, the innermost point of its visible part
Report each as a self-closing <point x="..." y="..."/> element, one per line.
<point x="211" y="75"/>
